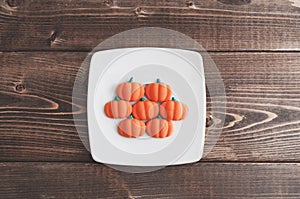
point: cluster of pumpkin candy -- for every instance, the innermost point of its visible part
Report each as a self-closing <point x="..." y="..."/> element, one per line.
<point x="157" y="110"/>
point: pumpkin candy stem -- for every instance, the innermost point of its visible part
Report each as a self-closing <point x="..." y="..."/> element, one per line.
<point x="117" y="98"/>
<point x="131" y="79"/>
<point x="174" y="99"/>
<point x="130" y="116"/>
<point x="143" y="99"/>
<point x="158" y="80"/>
<point x="159" y="116"/>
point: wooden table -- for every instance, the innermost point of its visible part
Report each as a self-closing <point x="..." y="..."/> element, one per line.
<point x="255" y="45"/>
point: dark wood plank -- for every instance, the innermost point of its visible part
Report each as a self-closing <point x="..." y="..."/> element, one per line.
<point x="201" y="180"/>
<point x="36" y="121"/>
<point x="262" y="119"/>
<point x="219" y="25"/>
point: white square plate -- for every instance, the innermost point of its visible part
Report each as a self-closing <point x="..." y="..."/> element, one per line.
<point x="182" y="70"/>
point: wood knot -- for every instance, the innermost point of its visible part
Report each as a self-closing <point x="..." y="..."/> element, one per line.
<point x="12" y="3"/>
<point x="52" y="37"/>
<point x="108" y="2"/>
<point x="54" y="40"/>
<point x="139" y="11"/>
<point x="190" y="4"/>
<point x="209" y="120"/>
<point x="235" y="2"/>
<point x="20" y="88"/>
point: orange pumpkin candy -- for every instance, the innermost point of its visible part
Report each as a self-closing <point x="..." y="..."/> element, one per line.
<point x="130" y="91"/>
<point x="173" y="110"/>
<point x="159" y="128"/>
<point x="158" y="92"/>
<point x="145" y="110"/>
<point x="131" y="128"/>
<point x="117" y="108"/>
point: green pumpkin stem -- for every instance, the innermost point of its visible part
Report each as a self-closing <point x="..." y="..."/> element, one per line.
<point x="159" y="116"/>
<point x="174" y="99"/>
<point x="131" y="79"/>
<point x="143" y="99"/>
<point x="117" y="98"/>
<point x="158" y="80"/>
<point x="130" y="116"/>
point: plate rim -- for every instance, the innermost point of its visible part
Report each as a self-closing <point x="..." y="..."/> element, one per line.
<point x="121" y="51"/>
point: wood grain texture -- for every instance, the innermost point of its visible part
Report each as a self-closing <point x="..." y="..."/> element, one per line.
<point x="262" y="119"/>
<point x="201" y="180"/>
<point x="263" y="98"/>
<point x="220" y="25"/>
<point x="37" y="123"/>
